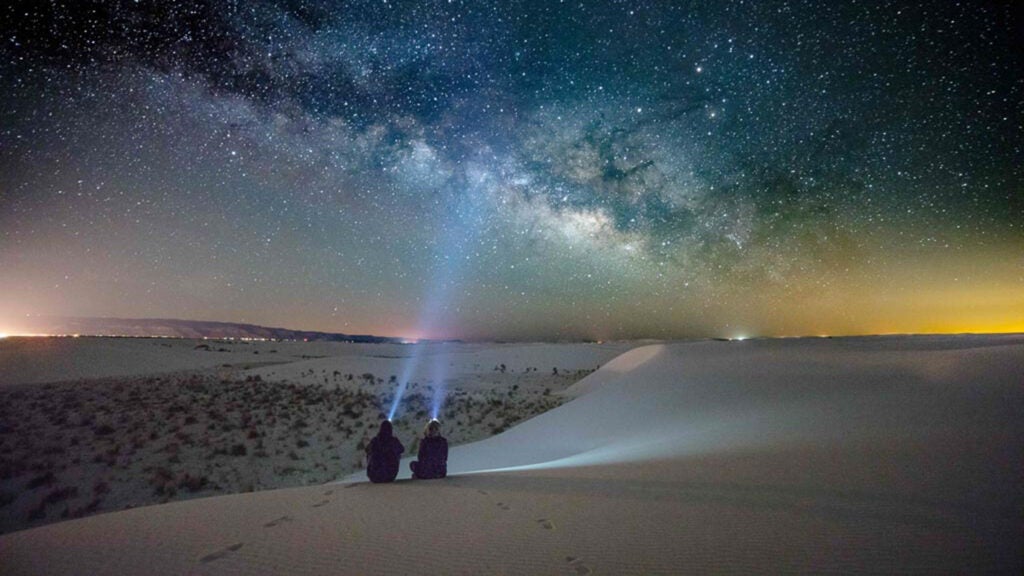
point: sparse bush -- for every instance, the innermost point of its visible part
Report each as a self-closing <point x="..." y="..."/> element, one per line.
<point x="103" y="430"/>
<point x="54" y="450"/>
<point x="61" y="494"/>
<point x="39" y="512"/>
<point x="192" y="483"/>
<point x="239" y="450"/>
<point x="88" y="509"/>
<point x="44" y="479"/>
<point x="101" y="487"/>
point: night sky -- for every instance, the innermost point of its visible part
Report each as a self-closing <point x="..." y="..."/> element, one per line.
<point x="516" y="170"/>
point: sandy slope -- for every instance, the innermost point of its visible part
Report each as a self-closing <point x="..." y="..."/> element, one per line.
<point x="896" y="455"/>
<point x="89" y="445"/>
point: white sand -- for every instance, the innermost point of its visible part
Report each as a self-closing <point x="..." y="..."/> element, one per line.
<point x="132" y="438"/>
<point x="872" y="455"/>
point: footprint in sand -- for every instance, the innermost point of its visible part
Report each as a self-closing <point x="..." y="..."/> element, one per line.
<point x="277" y="521"/>
<point x="504" y="506"/>
<point x="578" y="565"/>
<point x="323" y="503"/>
<point x="221" y="553"/>
<point x="546" y="524"/>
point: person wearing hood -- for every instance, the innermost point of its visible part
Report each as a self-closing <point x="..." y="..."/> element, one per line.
<point x="432" y="459"/>
<point x="383" y="454"/>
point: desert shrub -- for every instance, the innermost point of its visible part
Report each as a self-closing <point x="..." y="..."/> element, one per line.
<point x="239" y="450"/>
<point x="54" y="450"/>
<point x="101" y="487"/>
<point x="160" y="475"/>
<point x="192" y="483"/>
<point x="103" y="430"/>
<point x="61" y="494"/>
<point x="39" y="512"/>
<point x="43" y="479"/>
<point x="301" y="443"/>
<point x="88" y="509"/>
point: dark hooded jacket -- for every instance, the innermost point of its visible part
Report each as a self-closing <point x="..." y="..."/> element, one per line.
<point x="383" y="454"/>
<point x="432" y="459"/>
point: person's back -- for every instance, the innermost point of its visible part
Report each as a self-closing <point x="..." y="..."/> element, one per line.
<point x="383" y="455"/>
<point x="432" y="458"/>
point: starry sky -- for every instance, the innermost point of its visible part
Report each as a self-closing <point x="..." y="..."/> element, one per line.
<point x="502" y="169"/>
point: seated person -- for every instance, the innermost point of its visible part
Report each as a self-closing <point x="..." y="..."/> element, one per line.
<point x="383" y="454"/>
<point x="433" y="454"/>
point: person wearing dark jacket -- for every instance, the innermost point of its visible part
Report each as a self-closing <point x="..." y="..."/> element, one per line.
<point x="383" y="454"/>
<point x="432" y="459"/>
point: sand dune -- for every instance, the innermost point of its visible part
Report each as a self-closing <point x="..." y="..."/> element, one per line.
<point x="875" y="455"/>
<point x="89" y="445"/>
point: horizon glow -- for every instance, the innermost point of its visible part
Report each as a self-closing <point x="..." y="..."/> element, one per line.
<point x="515" y="171"/>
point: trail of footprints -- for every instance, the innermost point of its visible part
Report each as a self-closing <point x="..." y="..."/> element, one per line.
<point x="278" y="521"/>
<point x="223" y="552"/>
<point x="577" y="564"/>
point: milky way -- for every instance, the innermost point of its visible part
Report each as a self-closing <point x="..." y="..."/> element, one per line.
<point x="498" y="169"/>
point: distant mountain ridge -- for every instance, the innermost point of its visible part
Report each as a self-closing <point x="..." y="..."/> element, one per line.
<point x="175" y="328"/>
